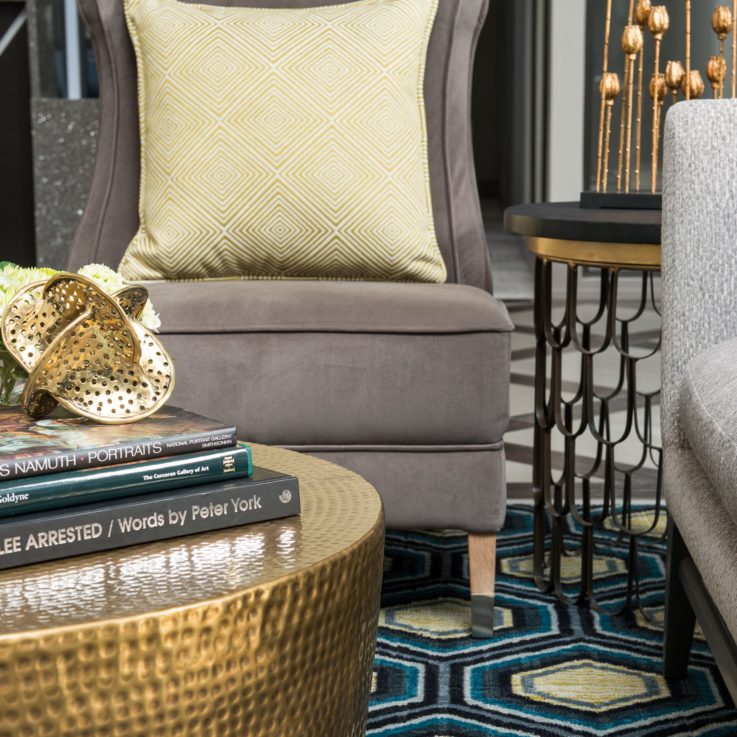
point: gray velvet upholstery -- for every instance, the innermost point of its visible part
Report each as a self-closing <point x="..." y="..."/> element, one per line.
<point x="405" y="383"/>
<point x="699" y="311"/>
<point x="345" y="364"/>
<point x="708" y="411"/>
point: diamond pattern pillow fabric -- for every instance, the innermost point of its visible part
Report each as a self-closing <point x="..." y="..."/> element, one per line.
<point x="283" y="143"/>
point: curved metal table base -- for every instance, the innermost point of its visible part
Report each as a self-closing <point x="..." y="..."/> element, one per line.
<point x="564" y="498"/>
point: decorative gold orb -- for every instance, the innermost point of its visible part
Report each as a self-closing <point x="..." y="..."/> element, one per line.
<point x="674" y="74"/>
<point x="695" y="84"/>
<point x="609" y="86"/>
<point x="721" y="21"/>
<point x="657" y="86"/>
<point x="658" y="21"/>
<point x="632" y="41"/>
<point x="716" y="70"/>
<point x="642" y="11"/>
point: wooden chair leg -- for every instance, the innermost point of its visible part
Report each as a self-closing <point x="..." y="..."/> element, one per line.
<point x="482" y="570"/>
<point x="680" y="619"/>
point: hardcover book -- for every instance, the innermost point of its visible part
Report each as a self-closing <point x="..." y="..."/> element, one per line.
<point x="63" y="442"/>
<point x="69" y="488"/>
<point x="62" y="533"/>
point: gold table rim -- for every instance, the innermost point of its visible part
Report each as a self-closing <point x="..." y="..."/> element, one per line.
<point x="640" y="256"/>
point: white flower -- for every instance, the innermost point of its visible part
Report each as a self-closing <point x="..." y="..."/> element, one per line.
<point x="105" y="277"/>
<point x="149" y="319"/>
<point x="13" y="278"/>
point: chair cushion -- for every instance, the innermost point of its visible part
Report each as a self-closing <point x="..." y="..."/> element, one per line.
<point x="338" y="364"/>
<point x="708" y="409"/>
<point x="283" y="142"/>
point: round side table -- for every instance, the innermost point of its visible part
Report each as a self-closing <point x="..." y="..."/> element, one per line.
<point x="262" y="630"/>
<point x="611" y="241"/>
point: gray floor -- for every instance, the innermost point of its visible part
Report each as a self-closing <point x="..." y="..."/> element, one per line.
<point x="512" y="265"/>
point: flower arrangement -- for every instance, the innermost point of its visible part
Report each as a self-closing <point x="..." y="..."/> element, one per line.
<point x="14" y="278"/>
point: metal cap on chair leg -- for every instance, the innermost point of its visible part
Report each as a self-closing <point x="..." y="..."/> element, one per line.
<point x="482" y="570"/>
<point x="482" y="616"/>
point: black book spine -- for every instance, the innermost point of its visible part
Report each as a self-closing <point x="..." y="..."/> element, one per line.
<point x="108" y="455"/>
<point x="92" y="528"/>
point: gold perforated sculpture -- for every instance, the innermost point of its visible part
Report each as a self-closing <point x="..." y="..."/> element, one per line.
<point x="86" y="350"/>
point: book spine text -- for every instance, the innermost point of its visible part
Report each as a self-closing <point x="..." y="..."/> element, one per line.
<point x="108" y="455"/>
<point x="53" y="491"/>
<point x="64" y="533"/>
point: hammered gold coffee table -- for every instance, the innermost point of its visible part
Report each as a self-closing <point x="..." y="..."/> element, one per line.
<point x="264" y="630"/>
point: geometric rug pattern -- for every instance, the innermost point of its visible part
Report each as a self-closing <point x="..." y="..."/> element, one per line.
<point x="551" y="670"/>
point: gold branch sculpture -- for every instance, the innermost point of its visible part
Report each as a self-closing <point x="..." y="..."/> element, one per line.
<point x="658" y="23"/>
<point x="721" y="22"/>
<point x="663" y="85"/>
<point x="610" y="89"/>
<point x="601" y="181"/>
<point x="642" y="14"/>
<point x="632" y="44"/>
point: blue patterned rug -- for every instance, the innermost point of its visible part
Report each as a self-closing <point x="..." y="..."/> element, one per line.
<point x="551" y="671"/>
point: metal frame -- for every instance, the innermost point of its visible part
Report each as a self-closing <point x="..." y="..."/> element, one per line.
<point x="565" y="498"/>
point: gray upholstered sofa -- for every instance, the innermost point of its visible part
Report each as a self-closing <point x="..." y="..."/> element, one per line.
<point x="699" y="391"/>
<point x="407" y="384"/>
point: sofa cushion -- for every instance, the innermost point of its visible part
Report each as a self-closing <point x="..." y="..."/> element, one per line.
<point x="283" y="142"/>
<point x="337" y="364"/>
<point x="708" y="409"/>
<point x="307" y="306"/>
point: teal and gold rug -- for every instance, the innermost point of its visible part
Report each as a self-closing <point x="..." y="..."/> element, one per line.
<point x="551" y="671"/>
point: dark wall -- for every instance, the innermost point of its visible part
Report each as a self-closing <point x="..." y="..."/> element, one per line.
<point x="488" y="99"/>
<point x="16" y="172"/>
<point x="509" y="101"/>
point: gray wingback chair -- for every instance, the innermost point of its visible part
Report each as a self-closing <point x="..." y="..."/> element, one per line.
<point x="699" y="381"/>
<point x="407" y="384"/>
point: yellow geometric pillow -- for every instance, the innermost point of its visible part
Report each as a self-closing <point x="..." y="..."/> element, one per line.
<point x="283" y="143"/>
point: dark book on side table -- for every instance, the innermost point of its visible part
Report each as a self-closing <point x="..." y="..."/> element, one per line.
<point x="69" y="488"/>
<point x="66" y="443"/>
<point x="88" y="528"/>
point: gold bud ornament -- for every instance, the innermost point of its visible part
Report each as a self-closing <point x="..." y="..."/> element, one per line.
<point x="674" y="74"/>
<point x="609" y="87"/>
<point x="632" y="41"/>
<point x="695" y="84"/>
<point x="658" y="21"/>
<point x="721" y="21"/>
<point x="642" y="12"/>
<point x="716" y="71"/>
<point x="657" y="87"/>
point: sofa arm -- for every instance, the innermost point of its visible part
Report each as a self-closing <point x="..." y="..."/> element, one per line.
<point x="699" y="239"/>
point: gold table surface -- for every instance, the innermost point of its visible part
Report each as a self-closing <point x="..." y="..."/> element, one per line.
<point x="186" y="636"/>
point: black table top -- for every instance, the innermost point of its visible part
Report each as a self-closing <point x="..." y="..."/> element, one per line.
<point x="568" y="221"/>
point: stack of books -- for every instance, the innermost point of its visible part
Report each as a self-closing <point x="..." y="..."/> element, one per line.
<point x="70" y="486"/>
